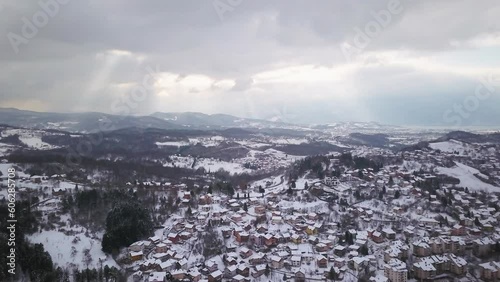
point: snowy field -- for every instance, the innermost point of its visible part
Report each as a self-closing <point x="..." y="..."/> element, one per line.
<point x="215" y="165"/>
<point x="31" y="138"/>
<point x="69" y="250"/>
<point x="211" y="165"/>
<point x="35" y="142"/>
<point x="467" y="177"/>
<point x="4" y="168"/>
<point x="285" y="141"/>
<point x="252" y="144"/>
<point x="6" y="148"/>
<point x="172" y="143"/>
<point x="450" y="146"/>
<point x="207" y="141"/>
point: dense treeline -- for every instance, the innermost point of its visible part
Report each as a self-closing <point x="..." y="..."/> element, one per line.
<point x="375" y="140"/>
<point x="134" y="144"/>
<point x="123" y="215"/>
<point x="32" y="261"/>
<point x="90" y="207"/>
<point x="13" y="140"/>
<point x="316" y="164"/>
<point x="223" y="187"/>
<point x="319" y="165"/>
<point x="313" y="148"/>
<point x="105" y="274"/>
<point x="59" y="161"/>
<point x="360" y="162"/>
<point x="126" y="223"/>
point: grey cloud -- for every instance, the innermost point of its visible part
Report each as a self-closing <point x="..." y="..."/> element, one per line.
<point x="61" y="66"/>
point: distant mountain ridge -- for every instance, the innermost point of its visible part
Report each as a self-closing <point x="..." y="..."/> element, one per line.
<point x="89" y="122"/>
<point x="94" y="121"/>
<point x="469" y="137"/>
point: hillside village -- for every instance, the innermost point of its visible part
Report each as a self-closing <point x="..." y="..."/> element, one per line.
<point x="430" y="213"/>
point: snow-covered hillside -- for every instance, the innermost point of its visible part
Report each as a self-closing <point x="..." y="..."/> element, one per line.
<point x="467" y="177"/>
<point x="450" y="146"/>
<point x="73" y="250"/>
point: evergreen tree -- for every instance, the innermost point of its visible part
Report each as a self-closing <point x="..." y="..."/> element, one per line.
<point x="189" y="212"/>
<point x="332" y="275"/>
<point x="230" y="190"/>
<point x="126" y="223"/>
<point x="444" y="201"/>
<point x="363" y="250"/>
<point x="477" y="222"/>
<point x="261" y="190"/>
<point x="347" y="237"/>
<point x="397" y="194"/>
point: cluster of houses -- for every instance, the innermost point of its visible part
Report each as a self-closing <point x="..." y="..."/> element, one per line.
<point x="412" y="235"/>
<point x="264" y="237"/>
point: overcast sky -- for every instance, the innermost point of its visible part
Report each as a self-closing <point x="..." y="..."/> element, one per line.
<point x="412" y="62"/>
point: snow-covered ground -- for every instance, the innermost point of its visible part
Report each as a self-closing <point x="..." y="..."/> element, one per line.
<point x="4" y="168"/>
<point x="450" y="146"/>
<point x="172" y="143"/>
<point x="207" y="141"/>
<point x="6" y="148"/>
<point x="467" y="177"/>
<point x="215" y="165"/>
<point x="69" y="250"/>
<point x="411" y="166"/>
<point x="31" y="138"/>
<point x="211" y="165"/>
<point x="252" y="144"/>
<point x="35" y="142"/>
<point x="284" y="141"/>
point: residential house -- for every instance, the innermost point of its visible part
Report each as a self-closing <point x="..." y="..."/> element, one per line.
<point x="395" y="270"/>
<point x="245" y="252"/>
<point x="377" y="237"/>
<point x="243" y="270"/>
<point x="277" y="262"/>
<point x="238" y="278"/>
<point x="300" y="276"/>
<point x="296" y="261"/>
<point x="258" y="270"/>
<point x="215" y="276"/>
<point x="322" y="261"/>
<point x="257" y="258"/>
<point x="135" y="256"/>
<point x="490" y="271"/>
<point x="157" y="277"/>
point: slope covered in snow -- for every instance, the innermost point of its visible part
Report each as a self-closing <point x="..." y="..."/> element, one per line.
<point x="466" y="175"/>
<point x="450" y="146"/>
<point x="70" y="250"/>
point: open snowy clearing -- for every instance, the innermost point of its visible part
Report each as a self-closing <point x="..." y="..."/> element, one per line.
<point x="450" y="146"/>
<point x="467" y="177"/>
<point x="59" y="246"/>
<point x="35" y="142"/>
